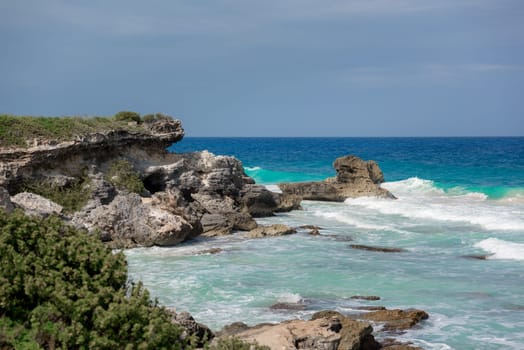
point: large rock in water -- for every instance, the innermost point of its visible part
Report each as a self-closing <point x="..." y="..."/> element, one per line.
<point x="326" y="331"/>
<point x="355" y="178"/>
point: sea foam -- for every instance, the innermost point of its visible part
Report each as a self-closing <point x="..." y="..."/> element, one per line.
<point x="420" y="199"/>
<point x="502" y="249"/>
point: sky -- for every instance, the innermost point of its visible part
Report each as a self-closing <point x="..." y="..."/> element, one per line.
<point x="272" y="68"/>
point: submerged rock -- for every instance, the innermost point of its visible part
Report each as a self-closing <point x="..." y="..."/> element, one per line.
<point x="289" y="306"/>
<point x="355" y="178"/>
<point x="477" y="256"/>
<point x="366" y="297"/>
<point x="271" y="231"/>
<point x="210" y="251"/>
<point x="377" y="249"/>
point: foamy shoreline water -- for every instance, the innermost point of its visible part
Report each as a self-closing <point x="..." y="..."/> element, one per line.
<point x="457" y="198"/>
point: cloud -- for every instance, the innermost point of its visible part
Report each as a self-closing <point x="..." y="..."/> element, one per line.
<point x="133" y="17"/>
<point x="416" y="75"/>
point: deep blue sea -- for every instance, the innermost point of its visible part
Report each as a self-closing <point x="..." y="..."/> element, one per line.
<point x="456" y="197"/>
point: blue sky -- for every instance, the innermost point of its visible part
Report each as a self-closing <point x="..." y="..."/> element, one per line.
<point x="272" y="67"/>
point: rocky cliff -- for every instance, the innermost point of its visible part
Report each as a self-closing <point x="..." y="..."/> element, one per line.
<point x="181" y="195"/>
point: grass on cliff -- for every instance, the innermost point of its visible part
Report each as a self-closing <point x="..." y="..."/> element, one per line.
<point x="124" y="177"/>
<point x="20" y="131"/>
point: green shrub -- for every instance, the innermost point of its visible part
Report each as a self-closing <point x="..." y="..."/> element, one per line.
<point x="149" y="118"/>
<point x="124" y="177"/>
<point x="236" y="344"/>
<point x="63" y="289"/>
<point x="128" y="116"/>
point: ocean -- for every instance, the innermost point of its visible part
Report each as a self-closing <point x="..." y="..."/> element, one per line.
<point x="457" y="197"/>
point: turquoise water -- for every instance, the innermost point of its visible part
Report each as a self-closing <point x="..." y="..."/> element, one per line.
<point x="456" y="197"/>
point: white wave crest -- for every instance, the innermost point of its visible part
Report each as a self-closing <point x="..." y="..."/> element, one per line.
<point x="502" y="249"/>
<point x="421" y="200"/>
<point x="292" y="298"/>
<point x="254" y="168"/>
<point x="274" y="188"/>
<point x="413" y="185"/>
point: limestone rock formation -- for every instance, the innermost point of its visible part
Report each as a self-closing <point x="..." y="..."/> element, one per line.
<point x="184" y="195"/>
<point x="328" y="331"/>
<point x="355" y="178"/>
<point x="127" y="222"/>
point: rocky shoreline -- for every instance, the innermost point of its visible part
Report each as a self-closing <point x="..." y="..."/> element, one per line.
<point x="182" y="196"/>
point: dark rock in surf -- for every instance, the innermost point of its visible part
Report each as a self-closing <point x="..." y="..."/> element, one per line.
<point x="365" y="297"/>
<point x="377" y="249"/>
<point x="477" y="257"/>
<point x="289" y="306"/>
<point x="271" y="231"/>
<point x="396" y="319"/>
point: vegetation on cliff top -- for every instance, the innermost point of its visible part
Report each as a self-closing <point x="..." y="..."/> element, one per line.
<point x="20" y="131"/>
<point x="63" y="289"/>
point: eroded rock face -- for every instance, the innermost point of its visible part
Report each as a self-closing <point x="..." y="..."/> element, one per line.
<point x="186" y="194"/>
<point x="127" y="222"/>
<point x="69" y="158"/>
<point x="355" y="178"/>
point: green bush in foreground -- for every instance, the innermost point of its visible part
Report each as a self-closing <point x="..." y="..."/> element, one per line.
<point x="124" y="177"/>
<point x="63" y="289"/>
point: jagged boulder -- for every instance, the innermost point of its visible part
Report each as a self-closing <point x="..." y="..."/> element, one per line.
<point x="396" y="319"/>
<point x="128" y="222"/>
<point x="327" y="330"/>
<point x="200" y="331"/>
<point x="355" y="178"/>
<point x="354" y="335"/>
